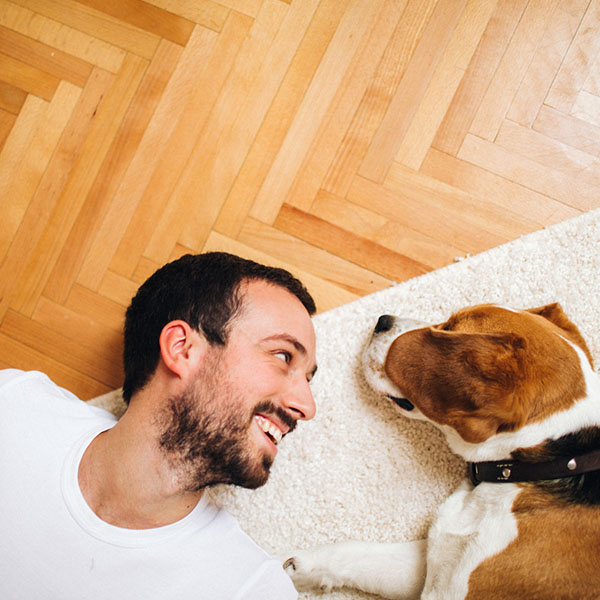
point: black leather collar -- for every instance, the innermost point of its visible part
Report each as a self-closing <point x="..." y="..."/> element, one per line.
<point x="511" y="471"/>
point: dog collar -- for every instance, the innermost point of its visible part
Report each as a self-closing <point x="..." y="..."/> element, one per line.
<point x="510" y="471"/>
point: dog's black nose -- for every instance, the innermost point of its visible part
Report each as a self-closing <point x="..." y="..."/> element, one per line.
<point x="384" y="323"/>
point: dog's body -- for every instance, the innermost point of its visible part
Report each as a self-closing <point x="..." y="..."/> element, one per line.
<point x="516" y="396"/>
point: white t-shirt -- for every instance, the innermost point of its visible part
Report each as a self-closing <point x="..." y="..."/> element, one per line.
<point x="54" y="547"/>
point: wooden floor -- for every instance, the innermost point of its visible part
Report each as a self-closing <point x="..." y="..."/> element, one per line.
<point x="356" y="142"/>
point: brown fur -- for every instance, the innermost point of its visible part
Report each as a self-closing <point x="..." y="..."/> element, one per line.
<point x="478" y="376"/>
<point x="555" y="556"/>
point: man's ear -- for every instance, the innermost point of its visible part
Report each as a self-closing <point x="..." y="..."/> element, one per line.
<point x="182" y="348"/>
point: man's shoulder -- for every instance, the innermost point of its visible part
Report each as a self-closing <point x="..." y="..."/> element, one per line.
<point x="34" y="383"/>
<point x="12" y="376"/>
<point x="33" y="390"/>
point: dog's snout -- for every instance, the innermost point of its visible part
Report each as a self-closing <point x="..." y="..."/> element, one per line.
<point x="384" y="323"/>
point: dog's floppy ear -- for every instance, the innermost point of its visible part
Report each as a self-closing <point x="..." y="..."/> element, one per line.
<point x="555" y="314"/>
<point x="465" y="380"/>
<point x="495" y="358"/>
<point x="487" y="371"/>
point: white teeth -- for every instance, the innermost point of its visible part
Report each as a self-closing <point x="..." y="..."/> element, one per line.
<point x="269" y="428"/>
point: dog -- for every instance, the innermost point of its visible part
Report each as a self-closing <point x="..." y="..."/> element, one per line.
<point x="515" y="394"/>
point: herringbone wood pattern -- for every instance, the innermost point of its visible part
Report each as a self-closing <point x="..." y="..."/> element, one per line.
<point x="356" y="142"/>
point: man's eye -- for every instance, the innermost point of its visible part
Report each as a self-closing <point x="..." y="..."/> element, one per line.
<point x="284" y="356"/>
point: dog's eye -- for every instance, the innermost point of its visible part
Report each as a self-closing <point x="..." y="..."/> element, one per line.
<point x="447" y="326"/>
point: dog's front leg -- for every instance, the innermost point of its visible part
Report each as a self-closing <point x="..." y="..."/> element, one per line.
<point x="394" y="571"/>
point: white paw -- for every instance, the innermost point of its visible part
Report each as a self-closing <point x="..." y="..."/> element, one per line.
<point x="307" y="571"/>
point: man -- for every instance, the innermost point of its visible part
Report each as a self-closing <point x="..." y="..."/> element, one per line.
<point x="218" y="356"/>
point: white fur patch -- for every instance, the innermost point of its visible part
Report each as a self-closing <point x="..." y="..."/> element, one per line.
<point x="472" y="525"/>
<point x="374" y="356"/>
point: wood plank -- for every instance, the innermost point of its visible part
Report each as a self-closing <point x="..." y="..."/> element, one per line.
<point x="391" y="234"/>
<point x="411" y="90"/>
<point x="7" y="122"/>
<point x="354" y="249"/>
<point x="26" y="125"/>
<point x="478" y="76"/>
<point x="11" y="98"/>
<point x="444" y="83"/>
<point x="146" y="267"/>
<point x="82" y="330"/>
<point x="309" y="258"/>
<point x="14" y="353"/>
<point x="353" y="26"/>
<point x="12" y="155"/>
<point x="559" y="186"/>
<point x="43" y="57"/>
<point x="480" y="183"/>
<point x="112" y="234"/>
<point x="592" y="83"/>
<point x="96" y="24"/>
<point x="496" y="220"/>
<point x="512" y="68"/>
<point x="223" y="144"/>
<point x="238" y="138"/>
<point x="578" y="61"/>
<point x="58" y="347"/>
<point x="272" y="132"/>
<point x="94" y="306"/>
<point x="27" y="78"/>
<point x="522" y="141"/>
<point x="27" y="174"/>
<point x="587" y="108"/>
<point x="143" y="15"/>
<point x="546" y="62"/>
<point x="569" y="130"/>
<point x="378" y="96"/>
<point x="81" y="179"/>
<point x="119" y="290"/>
<point x="342" y="109"/>
<point x="247" y="7"/>
<point x="61" y="37"/>
<point x="326" y="294"/>
<point x="206" y="13"/>
<point x="42" y="205"/>
<point x="176" y="128"/>
<point x="112" y="171"/>
<point x="433" y="209"/>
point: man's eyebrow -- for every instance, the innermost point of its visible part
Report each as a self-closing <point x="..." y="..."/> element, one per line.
<point x="291" y="340"/>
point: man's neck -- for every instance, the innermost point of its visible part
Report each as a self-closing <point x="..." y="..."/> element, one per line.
<point x="126" y="480"/>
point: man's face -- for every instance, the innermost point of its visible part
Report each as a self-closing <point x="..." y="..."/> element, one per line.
<point x="226" y="426"/>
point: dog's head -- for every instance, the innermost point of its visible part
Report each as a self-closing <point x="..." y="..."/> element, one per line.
<point x="484" y="371"/>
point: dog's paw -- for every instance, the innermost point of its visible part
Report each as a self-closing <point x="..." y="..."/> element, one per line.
<point x="308" y="571"/>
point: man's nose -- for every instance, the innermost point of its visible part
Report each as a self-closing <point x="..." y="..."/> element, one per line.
<point x="299" y="400"/>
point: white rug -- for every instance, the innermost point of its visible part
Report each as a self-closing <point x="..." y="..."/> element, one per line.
<point x="361" y="471"/>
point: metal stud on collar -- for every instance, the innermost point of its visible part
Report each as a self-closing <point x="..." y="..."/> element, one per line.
<point x="572" y="464"/>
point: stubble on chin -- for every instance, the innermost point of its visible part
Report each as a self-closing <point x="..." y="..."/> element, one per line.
<point x="206" y="441"/>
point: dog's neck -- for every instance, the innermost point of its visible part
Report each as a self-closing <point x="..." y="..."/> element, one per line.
<point x="569" y="462"/>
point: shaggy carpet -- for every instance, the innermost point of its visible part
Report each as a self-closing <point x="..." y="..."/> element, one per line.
<point x="359" y="470"/>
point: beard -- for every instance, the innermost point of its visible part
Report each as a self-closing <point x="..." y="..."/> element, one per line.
<point x="206" y="433"/>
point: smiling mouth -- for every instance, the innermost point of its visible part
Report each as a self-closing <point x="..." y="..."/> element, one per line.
<point x="402" y="402"/>
<point x="269" y="428"/>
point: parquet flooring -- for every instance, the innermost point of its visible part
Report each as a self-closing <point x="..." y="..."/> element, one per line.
<point x="357" y="143"/>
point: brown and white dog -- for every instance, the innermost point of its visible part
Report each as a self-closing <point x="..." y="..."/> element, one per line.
<point x="516" y="396"/>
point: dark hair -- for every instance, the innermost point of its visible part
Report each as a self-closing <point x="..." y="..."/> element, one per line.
<point x="203" y="291"/>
